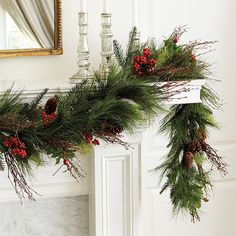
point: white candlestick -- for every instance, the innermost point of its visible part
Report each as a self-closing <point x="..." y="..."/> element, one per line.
<point x="135" y="13"/>
<point x="106" y="6"/>
<point x="83" y="6"/>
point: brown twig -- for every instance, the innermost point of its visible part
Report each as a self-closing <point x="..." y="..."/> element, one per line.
<point x="214" y="158"/>
<point x="111" y="133"/>
<point x="17" y="179"/>
<point x="172" y="88"/>
<point x="195" y="217"/>
<point x="12" y="124"/>
<point x="75" y="170"/>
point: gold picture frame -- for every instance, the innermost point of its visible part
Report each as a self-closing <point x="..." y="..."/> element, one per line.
<point x="56" y="50"/>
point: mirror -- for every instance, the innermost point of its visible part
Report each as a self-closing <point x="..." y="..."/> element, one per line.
<point x="30" y="27"/>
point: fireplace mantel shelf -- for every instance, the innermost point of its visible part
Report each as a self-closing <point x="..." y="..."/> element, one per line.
<point x="114" y="180"/>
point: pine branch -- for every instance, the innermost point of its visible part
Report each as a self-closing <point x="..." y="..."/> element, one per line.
<point x="119" y="54"/>
<point x="29" y="110"/>
<point x="36" y="101"/>
<point x="9" y="101"/>
<point x="186" y="126"/>
<point x="131" y="46"/>
<point x="17" y="178"/>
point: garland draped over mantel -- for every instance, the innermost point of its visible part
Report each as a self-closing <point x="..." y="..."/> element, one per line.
<point x="125" y="99"/>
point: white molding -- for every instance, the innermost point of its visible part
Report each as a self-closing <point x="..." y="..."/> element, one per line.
<point x="182" y="91"/>
<point x="126" y="194"/>
<point x="114" y="169"/>
<point x="47" y="185"/>
<point x="47" y="191"/>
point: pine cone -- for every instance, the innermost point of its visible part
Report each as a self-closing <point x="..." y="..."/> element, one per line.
<point x="194" y="147"/>
<point x="51" y="105"/>
<point x="188" y="160"/>
<point x="205" y="199"/>
<point x="116" y="130"/>
<point x="202" y="135"/>
<point x="60" y="143"/>
<point x="111" y="129"/>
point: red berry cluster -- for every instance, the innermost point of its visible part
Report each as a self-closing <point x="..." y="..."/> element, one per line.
<point x="17" y="147"/>
<point x="49" y="117"/>
<point x="144" y="65"/>
<point x="89" y="139"/>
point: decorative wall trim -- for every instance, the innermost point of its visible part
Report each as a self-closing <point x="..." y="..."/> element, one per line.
<point x="47" y="191"/>
<point x="115" y="192"/>
<point x="47" y="185"/>
<point x="122" y="210"/>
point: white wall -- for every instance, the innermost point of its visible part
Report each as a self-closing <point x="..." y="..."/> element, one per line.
<point x="207" y="20"/>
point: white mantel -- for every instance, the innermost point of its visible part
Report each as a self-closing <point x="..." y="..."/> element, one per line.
<point x="115" y="175"/>
<point x="115" y="189"/>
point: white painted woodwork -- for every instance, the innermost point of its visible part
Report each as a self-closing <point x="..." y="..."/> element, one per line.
<point x="115" y="191"/>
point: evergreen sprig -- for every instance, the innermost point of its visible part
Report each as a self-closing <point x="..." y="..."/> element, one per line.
<point x="119" y="54"/>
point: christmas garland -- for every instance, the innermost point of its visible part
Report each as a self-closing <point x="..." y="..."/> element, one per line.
<point x="186" y="124"/>
<point x="70" y="123"/>
<point x="122" y="101"/>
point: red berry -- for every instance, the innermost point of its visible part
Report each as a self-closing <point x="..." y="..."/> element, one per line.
<point x="7" y="143"/>
<point x="89" y="139"/>
<point x="151" y="61"/>
<point x="136" y="66"/>
<point x="66" y="162"/>
<point x="23" y="154"/>
<point x="14" y="140"/>
<point x="45" y="122"/>
<point x="96" y="142"/>
<point x="15" y="151"/>
<point x="146" y="52"/>
<point x="143" y="60"/>
<point x="193" y="58"/>
<point x="136" y="58"/>
<point x="43" y="114"/>
<point x="47" y="118"/>
<point x="21" y="144"/>
<point x="175" y="39"/>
